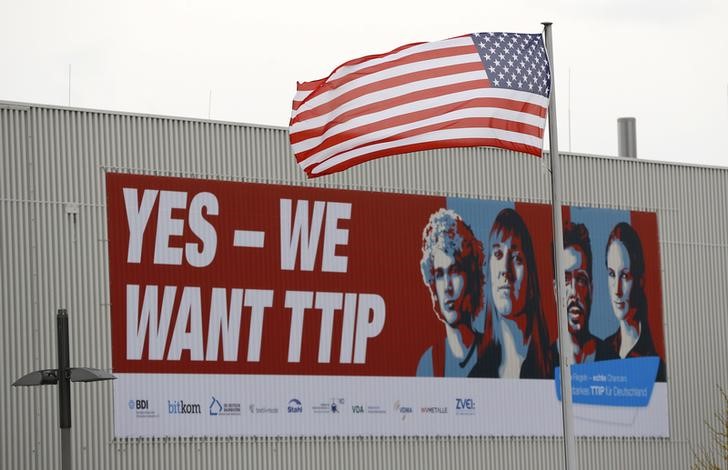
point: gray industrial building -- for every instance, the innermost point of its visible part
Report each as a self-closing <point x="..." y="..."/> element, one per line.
<point x="53" y="252"/>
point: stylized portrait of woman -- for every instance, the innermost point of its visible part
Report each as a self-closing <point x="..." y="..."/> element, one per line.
<point x="625" y="263"/>
<point x="515" y="328"/>
<point x="452" y="270"/>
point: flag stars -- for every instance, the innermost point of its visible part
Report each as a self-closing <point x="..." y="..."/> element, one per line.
<point x="514" y="61"/>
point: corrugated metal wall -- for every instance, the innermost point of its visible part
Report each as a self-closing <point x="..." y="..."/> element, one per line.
<point x="53" y="254"/>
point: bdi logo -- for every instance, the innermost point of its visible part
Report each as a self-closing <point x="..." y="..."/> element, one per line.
<point x="141" y="404"/>
<point x="141" y="409"/>
<point x="138" y="404"/>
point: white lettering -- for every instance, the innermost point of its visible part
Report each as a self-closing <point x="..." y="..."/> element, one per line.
<point x="333" y="236"/>
<point x="137" y="216"/>
<point x="347" y="329"/>
<point x="203" y="229"/>
<point x="298" y="302"/>
<point x="220" y="324"/>
<point x="299" y="234"/>
<point x="259" y="300"/>
<point x="167" y="227"/>
<point x="327" y="302"/>
<point x="190" y="311"/>
<point x="158" y="327"/>
<point x="365" y="327"/>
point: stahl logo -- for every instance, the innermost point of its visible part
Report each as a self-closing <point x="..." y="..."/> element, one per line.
<point x="179" y="407"/>
<point x="295" y="406"/>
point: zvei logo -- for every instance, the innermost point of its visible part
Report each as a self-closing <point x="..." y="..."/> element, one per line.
<point x="464" y="406"/>
<point x="179" y="407"/>
<point x="295" y="406"/>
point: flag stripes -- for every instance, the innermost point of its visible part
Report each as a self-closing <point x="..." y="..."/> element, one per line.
<point x="419" y="96"/>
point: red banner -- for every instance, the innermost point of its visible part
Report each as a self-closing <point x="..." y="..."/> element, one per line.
<point x="310" y="247"/>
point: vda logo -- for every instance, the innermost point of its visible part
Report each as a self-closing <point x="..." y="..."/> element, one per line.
<point x="467" y="404"/>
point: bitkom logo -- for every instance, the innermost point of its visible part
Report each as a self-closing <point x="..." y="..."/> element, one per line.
<point x="179" y="407"/>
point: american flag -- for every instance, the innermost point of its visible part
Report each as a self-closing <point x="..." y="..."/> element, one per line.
<point x="484" y="89"/>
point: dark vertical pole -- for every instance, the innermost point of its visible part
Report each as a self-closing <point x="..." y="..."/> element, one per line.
<point x="64" y="388"/>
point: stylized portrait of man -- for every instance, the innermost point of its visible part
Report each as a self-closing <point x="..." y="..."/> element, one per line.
<point x="625" y="263"/>
<point x="518" y="345"/>
<point x="577" y="264"/>
<point x="452" y="270"/>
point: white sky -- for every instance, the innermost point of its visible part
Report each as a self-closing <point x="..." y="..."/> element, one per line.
<point x="664" y="62"/>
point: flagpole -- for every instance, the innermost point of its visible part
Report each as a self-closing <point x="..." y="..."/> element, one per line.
<point x="566" y="355"/>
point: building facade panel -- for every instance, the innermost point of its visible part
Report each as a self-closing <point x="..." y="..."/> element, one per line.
<point x="54" y="255"/>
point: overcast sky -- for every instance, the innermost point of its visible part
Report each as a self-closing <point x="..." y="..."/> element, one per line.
<point x="664" y="62"/>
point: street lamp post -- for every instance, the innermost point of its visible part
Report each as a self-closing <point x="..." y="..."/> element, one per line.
<point x="63" y="376"/>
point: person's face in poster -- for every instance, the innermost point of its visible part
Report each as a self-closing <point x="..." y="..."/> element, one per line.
<point x="620" y="278"/>
<point x="450" y="282"/>
<point x="508" y="272"/>
<point x="578" y="289"/>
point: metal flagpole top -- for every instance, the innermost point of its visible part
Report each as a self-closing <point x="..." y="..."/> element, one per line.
<point x="566" y="356"/>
